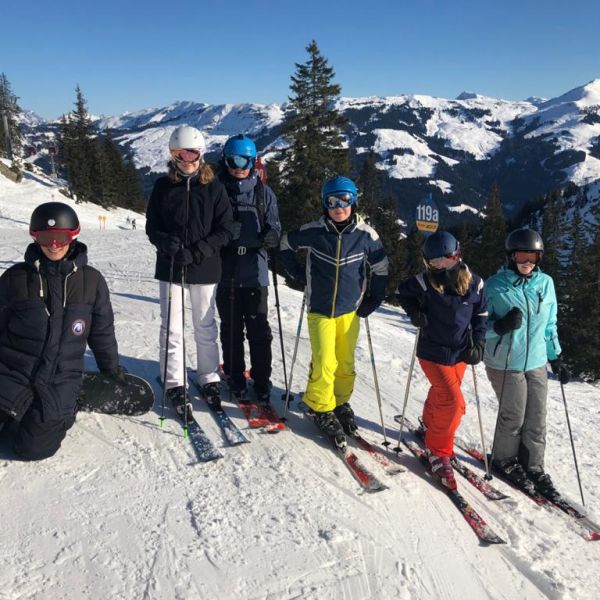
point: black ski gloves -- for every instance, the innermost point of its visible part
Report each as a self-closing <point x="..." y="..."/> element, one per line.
<point x="117" y="376"/>
<point x="183" y="257"/>
<point x="236" y="230"/>
<point x="170" y="245"/>
<point x="367" y="306"/>
<point x="271" y="239"/>
<point x="418" y="318"/>
<point x="513" y="319"/>
<point x="560" y="370"/>
<point x="474" y="355"/>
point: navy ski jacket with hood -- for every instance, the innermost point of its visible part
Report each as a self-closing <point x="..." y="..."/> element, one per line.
<point x="454" y="323"/>
<point x="245" y="260"/>
<point x="49" y="311"/>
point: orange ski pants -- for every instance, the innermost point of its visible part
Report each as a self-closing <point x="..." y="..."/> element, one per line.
<point x="444" y="407"/>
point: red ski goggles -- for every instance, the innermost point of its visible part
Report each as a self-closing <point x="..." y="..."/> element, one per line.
<point x="239" y="162"/>
<point x="522" y="257"/>
<point x="186" y="155"/>
<point x="342" y="200"/>
<point x="54" y="238"/>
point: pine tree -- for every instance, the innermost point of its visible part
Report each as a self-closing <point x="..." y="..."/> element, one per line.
<point x="551" y="233"/>
<point x="370" y="183"/>
<point x="313" y="127"/>
<point x="488" y="252"/>
<point x="413" y="262"/>
<point x="9" y="108"/>
<point x="133" y="191"/>
<point x="386" y="224"/>
<point x="77" y="151"/>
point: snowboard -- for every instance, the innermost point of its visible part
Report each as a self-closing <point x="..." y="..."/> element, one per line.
<point x="102" y="394"/>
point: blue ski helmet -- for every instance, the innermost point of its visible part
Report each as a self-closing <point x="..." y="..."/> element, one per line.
<point x="339" y="185"/>
<point x="239" y="145"/>
<point x="440" y="243"/>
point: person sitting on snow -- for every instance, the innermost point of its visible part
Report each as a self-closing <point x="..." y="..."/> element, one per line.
<point x="51" y="306"/>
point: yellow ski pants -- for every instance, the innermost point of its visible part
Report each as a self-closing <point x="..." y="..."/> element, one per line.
<point x="331" y="376"/>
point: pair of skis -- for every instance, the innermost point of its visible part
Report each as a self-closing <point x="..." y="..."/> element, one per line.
<point x="363" y="475"/>
<point x="584" y="526"/>
<point x="478" y="524"/>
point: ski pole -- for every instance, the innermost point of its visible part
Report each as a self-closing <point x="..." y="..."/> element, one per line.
<point x="562" y="389"/>
<point x="164" y="380"/>
<point x="485" y="456"/>
<point x="410" y="372"/>
<point x="273" y="256"/>
<point x="376" y="381"/>
<point x="291" y="379"/>
<point x="489" y="475"/>
<point x="185" y="388"/>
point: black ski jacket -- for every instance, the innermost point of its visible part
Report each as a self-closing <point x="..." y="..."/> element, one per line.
<point x="48" y="312"/>
<point x="200" y="215"/>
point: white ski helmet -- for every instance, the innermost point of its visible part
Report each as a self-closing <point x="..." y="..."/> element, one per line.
<point x="187" y="137"/>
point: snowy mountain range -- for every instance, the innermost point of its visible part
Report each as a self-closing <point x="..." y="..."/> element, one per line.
<point x="454" y="149"/>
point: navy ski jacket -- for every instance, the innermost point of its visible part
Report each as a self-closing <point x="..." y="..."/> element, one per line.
<point x="336" y="264"/>
<point x="454" y="323"/>
<point x="49" y="311"/>
<point x="245" y="260"/>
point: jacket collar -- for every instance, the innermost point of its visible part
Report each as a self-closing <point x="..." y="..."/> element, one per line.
<point x="75" y="259"/>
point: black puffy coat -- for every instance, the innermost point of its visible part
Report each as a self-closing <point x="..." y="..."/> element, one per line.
<point x="200" y="215"/>
<point x="49" y="311"/>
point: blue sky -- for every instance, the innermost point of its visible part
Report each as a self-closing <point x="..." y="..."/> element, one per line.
<point x="134" y="54"/>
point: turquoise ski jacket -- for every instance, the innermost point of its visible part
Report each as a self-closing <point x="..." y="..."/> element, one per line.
<point x="536" y="341"/>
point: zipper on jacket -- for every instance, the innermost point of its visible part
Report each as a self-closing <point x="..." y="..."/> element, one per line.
<point x="65" y="290"/>
<point x="337" y="273"/>
<point x="528" y="320"/>
<point x="540" y="300"/>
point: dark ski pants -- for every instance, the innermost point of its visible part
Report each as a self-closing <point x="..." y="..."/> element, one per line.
<point x="521" y="430"/>
<point x="37" y="439"/>
<point x="246" y="309"/>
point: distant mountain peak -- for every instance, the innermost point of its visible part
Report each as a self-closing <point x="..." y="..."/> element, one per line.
<point x="468" y="96"/>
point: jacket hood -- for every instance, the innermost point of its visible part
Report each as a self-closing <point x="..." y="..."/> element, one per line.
<point x="75" y="259"/>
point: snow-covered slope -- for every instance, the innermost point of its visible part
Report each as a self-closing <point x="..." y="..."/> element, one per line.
<point x="122" y="511"/>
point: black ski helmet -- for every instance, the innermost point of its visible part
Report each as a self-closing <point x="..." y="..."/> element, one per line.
<point x="54" y="215"/>
<point x="440" y="243"/>
<point x="525" y="240"/>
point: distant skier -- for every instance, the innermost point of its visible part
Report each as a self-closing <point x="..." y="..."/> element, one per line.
<point x="128" y="221"/>
<point x="521" y="339"/>
<point x="51" y="306"/>
<point x="132" y="223"/>
<point x="338" y="290"/>
<point x="189" y="219"/>
<point x="242" y="294"/>
<point x="446" y="302"/>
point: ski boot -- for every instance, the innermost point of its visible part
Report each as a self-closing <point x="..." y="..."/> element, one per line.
<point x="211" y="394"/>
<point x="511" y="470"/>
<point x="345" y="416"/>
<point x="442" y="468"/>
<point x="263" y="394"/>
<point x="543" y="484"/>
<point x="180" y="401"/>
<point x="328" y="423"/>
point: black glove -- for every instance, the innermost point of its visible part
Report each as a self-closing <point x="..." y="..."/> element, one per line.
<point x="513" y="319"/>
<point x="418" y="319"/>
<point x="184" y="257"/>
<point x="474" y="355"/>
<point x="271" y="239"/>
<point x="171" y="245"/>
<point x="367" y="306"/>
<point x="236" y="230"/>
<point x="560" y="370"/>
<point x="296" y="283"/>
<point x="117" y="376"/>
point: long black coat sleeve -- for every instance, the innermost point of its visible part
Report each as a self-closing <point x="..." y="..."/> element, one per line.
<point x="102" y="340"/>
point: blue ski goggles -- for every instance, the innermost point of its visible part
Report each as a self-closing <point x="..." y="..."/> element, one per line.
<point x="341" y="200"/>
<point x="239" y="162"/>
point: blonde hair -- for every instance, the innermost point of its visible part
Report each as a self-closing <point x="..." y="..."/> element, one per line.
<point x="463" y="281"/>
<point x="205" y="174"/>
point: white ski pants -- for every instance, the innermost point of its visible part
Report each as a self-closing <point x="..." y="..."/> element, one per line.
<point x="202" y="300"/>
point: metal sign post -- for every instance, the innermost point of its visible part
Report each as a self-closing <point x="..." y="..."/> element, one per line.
<point x="428" y="216"/>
